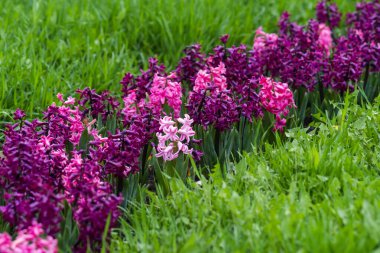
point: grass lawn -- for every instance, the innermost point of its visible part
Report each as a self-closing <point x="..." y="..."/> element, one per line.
<point x="55" y="46"/>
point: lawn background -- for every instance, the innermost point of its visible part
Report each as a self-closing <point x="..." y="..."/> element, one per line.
<point x="53" y="46"/>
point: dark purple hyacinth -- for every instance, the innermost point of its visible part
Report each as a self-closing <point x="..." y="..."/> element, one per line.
<point x="302" y="57"/>
<point x="346" y="66"/>
<point x="28" y="188"/>
<point x="190" y="64"/>
<point x="365" y="22"/>
<point x="328" y="13"/>
<point x="142" y="83"/>
<point x="94" y="104"/>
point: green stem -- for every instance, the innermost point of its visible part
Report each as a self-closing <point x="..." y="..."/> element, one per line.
<point x="366" y="75"/>
<point x="119" y="184"/>
<point x="242" y="135"/>
<point x="217" y="142"/>
<point x="321" y="92"/>
<point x="143" y="163"/>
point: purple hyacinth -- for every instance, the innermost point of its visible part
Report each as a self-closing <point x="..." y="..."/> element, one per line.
<point x="328" y="13"/>
<point x="142" y="83"/>
<point x="91" y="198"/>
<point x="346" y="66"/>
<point x="29" y="189"/>
<point x="365" y="22"/>
<point x="94" y="104"/>
<point x="190" y="64"/>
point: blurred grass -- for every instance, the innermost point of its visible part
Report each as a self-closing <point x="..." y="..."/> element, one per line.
<point x="50" y="46"/>
<point x="315" y="192"/>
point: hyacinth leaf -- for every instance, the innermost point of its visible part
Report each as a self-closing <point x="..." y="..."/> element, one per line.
<point x="143" y="160"/>
<point x="181" y="167"/>
<point x="130" y="189"/>
<point x="69" y="230"/>
<point x="111" y="124"/>
<point x="69" y="147"/>
<point x="230" y="145"/>
<point x="373" y="86"/>
<point x="99" y="122"/>
<point x="209" y="148"/>
<point x="161" y="178"/>
<point x="84" y="140"/>
<point x="302" y="110"/>
<point x="104" y="236"/>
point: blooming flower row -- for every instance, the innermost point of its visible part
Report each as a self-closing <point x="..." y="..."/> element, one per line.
<point x="80" y="143"/>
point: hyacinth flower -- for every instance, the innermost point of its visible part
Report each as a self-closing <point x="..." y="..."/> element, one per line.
<point x="38" y="173"/>
<point x="142" y="83"/>
<point x="28" y="240"/>
<point x="328" y="13"/>
<point x="190" y="64"/>
<point x="91" y="198"/>
<point x="210" y="103"/>
<point x="29" y="191"/>
<point x="346" y="65"/>
<point x="365" y="22"/>
<point x="325" y="38"/>
<point x="276" y="98"/>
<point x="175" y="147"/>
<point x="63" y="123"/>
<point x="143" y="107"/>
<point x="94" y="105"/>
<point x="173" y="140"/>
<point x="165" y="90"/>
<point x="305" y="51"/>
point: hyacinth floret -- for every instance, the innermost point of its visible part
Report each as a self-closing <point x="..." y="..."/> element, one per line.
<point x="171" y="140"/>
<point x="28" y="240"/>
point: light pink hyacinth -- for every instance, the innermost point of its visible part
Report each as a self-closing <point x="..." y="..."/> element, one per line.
<point x="171" y="140"/>
<point x="28" y="241"/>
<point x="277" y="98"/>
<point x="324" y="38"/>
<point x="263" y="40"/>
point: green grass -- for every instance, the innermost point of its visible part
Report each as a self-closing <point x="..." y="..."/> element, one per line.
<point x="315" y="192"/>
<point x="55" y="46"/>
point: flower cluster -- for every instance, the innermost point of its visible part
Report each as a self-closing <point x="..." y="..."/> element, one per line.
<point x="365" y="23"/>
<point x="210" y="102"/>
<point x="328" y="13"/>
<point x="172" y="141"/>
<point x="25" y="178"/>
<point x="276" y="98"/>
<point x="165" y="89"/>
<point x="91" y="198"/>
<point x="28" y="240"/>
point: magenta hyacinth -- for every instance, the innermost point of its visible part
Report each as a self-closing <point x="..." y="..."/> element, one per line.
<point x="277" y="99"/>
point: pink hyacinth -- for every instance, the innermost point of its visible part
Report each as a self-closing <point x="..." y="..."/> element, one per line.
<point x="129" y="105"/>
<point x="164" y="89"/>
<point x="214" y="78"/>
<point x="276" y="98"/>
<point x="172" y="141"/>
<point x="72" y="116"/>
<point x="263" y="39"/>
<point x="28" y="241"/>
<point x="324" y="38"/>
